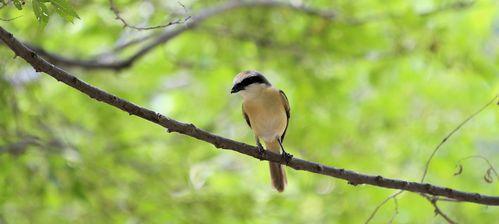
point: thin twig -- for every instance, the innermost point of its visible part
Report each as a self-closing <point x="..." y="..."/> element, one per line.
<point x="433" y="200"/>
<point x="117" y="13"/>
<point x="437" y="209"/>
<point x="183" y="6"/>
<point x="460" y="5"/>
<point x="10" y="19"/>
<point x="4" y="4"/>
<point x="427" y="165"/>
<point x="396" y="210"/>
<point x="394" y="195"/>
<point x="122" y="46"/>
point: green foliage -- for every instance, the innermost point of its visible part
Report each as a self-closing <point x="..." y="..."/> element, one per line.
<point x="42" y="13"/>
<point x="376" y="98"/>
<point x="65" y="10"/>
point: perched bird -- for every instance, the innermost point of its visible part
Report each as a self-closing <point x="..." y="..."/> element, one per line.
<point x="266" y="110"/>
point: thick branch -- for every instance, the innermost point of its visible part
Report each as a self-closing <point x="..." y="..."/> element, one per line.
<point x="354" y="178"/>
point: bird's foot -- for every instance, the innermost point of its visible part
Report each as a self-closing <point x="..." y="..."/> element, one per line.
<point x="261" y="152"/>
<point x="286" y="157"/>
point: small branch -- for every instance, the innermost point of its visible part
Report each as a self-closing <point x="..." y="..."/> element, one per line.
<point x="116" y="12"/>
<point x="427" y="165"/>
<point x="393" y="196"/>
<point x="20" y="146"/>
<point x="460" y="5"/>
<point x="4" y="4"/>
<point x="167" y="35"/>
<point x="122" y="46"/>
<point x="7" y="20"/>
<point x="438" y="211"/>
<point x="171" y="125"/>
<point x="395" y="210"/>
<point x="94" y="64"/>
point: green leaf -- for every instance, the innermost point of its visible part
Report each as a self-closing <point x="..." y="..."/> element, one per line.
<point x="41" y="12"/>
<point x="64" y="9"/>
<point x="19" y="4"/>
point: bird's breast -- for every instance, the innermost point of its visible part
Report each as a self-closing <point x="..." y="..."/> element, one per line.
<point x="267" y="115"/>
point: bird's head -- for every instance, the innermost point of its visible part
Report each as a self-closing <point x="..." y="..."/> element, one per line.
<point x="249" y="82"/>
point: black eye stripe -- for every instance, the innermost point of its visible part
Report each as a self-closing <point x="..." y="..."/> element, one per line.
<point x="251" y="80"/>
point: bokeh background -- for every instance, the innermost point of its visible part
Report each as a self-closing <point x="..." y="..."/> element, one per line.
<point x="373" y="89"/>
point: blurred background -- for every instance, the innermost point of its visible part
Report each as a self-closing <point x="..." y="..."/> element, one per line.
<point x="374" y="86"/>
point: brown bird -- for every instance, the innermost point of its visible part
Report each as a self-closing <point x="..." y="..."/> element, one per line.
<point x="266" y="110"/>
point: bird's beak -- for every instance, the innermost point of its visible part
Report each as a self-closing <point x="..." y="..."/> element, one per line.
<point x="235" y="89"/>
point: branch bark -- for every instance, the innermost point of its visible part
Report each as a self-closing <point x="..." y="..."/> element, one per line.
<point x="354" y="178"/>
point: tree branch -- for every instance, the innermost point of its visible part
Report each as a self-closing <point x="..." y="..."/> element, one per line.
<point x="169" y="34"/>
<point x="354" y="178"/>
<point x="96" y="64"/>
<point x="10" y="19"/>
<point x="117" y="13"/>
<point x="3" y="4"/>
<point x="373" y="213"/>
<point x="433" y="199"/>
<point x="427" y="165"/>
<point x="459" y="5"/>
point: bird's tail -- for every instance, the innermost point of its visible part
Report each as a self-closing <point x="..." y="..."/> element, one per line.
<point x="277" y="172"/>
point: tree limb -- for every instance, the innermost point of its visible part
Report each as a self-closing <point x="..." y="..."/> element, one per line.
<point x="167" y="35"/>
<point x="354" y="178"/>
<point x="96" y="64"/>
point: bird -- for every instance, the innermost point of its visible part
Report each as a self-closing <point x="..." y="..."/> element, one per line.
<point x="267" y="112"/>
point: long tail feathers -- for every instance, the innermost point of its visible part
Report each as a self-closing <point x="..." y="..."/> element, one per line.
<point x="277" y="172"/>
<point x="278" y="176"/>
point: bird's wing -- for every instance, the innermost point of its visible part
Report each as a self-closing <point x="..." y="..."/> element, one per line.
<point x="246" y="117"/>
<point x="285" y="102"/>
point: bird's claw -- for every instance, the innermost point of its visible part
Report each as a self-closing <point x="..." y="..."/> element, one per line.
<point x="286" y="157"/>
<point x="261" y="152"/>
